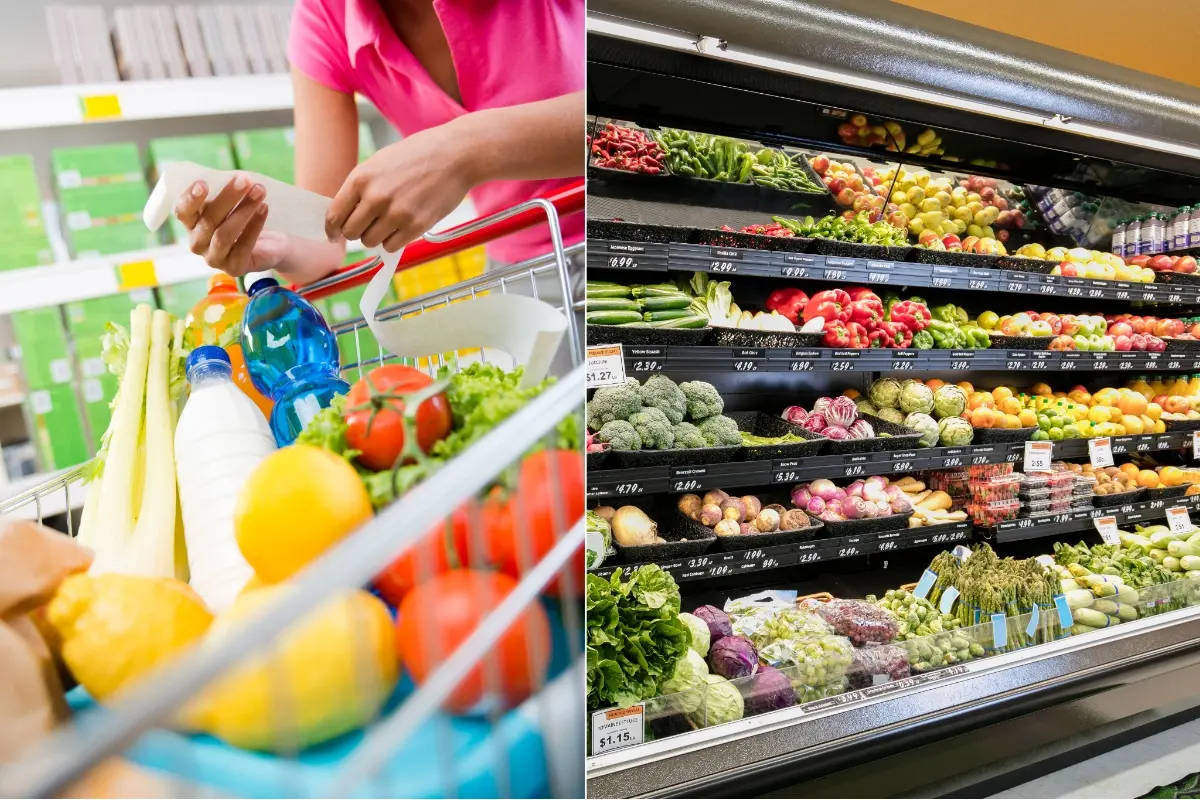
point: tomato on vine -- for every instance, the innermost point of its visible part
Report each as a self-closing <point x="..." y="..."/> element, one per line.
<point x="375" y="407"/>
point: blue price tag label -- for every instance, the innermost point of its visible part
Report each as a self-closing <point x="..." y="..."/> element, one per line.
<point x="925" y="584"/>
<point x="1034" y="619"/>
<point x="1065" y="618"/>
<point x="999" y="631"/>
<point x="948" y="598"/>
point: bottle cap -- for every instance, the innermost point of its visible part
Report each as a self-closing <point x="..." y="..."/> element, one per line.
<point x="205" y="354"/>
<point x="252" y="279"/>
<point x="220" y="279"/>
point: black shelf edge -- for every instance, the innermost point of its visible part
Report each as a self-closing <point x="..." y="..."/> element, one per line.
<point x="1081" y="521"/>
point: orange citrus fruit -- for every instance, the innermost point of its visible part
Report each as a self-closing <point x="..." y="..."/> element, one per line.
<point x="1148" y="478"/>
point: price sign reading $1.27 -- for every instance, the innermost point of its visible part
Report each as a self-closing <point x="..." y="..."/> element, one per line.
<point x="1108" y="529"/>
<point x="605" y="366"/>
<point x="1100" y="452"/>
<point x="1037" y="456"/>
<point x="616" y="729"/>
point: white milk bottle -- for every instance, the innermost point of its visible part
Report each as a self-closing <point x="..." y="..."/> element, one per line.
<point x="220" y="439"/>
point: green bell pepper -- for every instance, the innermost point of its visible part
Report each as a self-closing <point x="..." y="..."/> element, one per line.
<point x="922" y="340"/>
<point x="946" y="313"/>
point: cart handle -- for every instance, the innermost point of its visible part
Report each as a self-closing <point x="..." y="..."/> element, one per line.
<point x="566" y="200"/>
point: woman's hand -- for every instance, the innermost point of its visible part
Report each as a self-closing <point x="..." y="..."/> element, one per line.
<point x="403" y="190"/>
<point x="228" y="229"/>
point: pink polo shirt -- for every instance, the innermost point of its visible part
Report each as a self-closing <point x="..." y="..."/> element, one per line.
<point x="506" y="52"/>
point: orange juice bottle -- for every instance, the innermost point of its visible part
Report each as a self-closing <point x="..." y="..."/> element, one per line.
<point x="216" y="320"/>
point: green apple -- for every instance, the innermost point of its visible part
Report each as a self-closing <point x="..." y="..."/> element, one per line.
<point x="1040" y="328"/>
<point x="1081" y="342"/>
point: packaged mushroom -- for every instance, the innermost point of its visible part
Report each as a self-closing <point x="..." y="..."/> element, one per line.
<point x="728" y="515"/>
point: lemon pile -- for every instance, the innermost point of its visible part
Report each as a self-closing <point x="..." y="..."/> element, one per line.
<point x="1085" y="263"/>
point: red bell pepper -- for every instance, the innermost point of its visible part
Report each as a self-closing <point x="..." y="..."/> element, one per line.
<point x="836" y="334"/>
<point x="867" y="311"/>
<point x="788" y="302"/>
<point x="858" y="335"/>
<point x="859" y="292"/>
<point x="880" y="338"/>
<point x="830" y="304"/>
<point x="899" y="333"/>
<point x="914" y="316"/>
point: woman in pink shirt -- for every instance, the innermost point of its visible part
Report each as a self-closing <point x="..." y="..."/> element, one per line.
<point x="486" y="93"/>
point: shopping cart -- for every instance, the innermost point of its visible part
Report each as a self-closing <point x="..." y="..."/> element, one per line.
<point x="412" y="748"/>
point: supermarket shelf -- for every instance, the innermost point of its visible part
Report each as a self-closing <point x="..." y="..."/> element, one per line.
<point x="85" y="278"/>
<point x="639" y="256"/>
<point x="53" y="106"/>
<point x="643" y="360"/>
<point x="1078" y="522"/>
<point x="654" y="480"/>
<point x="721" y="564"/>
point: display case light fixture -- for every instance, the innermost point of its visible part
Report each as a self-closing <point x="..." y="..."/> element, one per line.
<point x="722" y="50"/>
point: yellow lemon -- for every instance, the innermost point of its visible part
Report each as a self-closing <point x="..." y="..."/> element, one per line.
<point x="298" y="503"/>
<point x="117" y="628"/>
<point x="328" y="674"/>
<point x="1132" y="424"/>
<point x="1098" y="414"/>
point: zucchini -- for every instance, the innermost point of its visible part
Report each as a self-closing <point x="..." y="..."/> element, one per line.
<point x="611" y="291"/>
<point x="665" y="303"/>
<point x="612" y="304"/>
<point x="612" y="317"/>
<point x="663" y="316"/>
<point x="693" y="321"/>
<point x="658" y="290"/>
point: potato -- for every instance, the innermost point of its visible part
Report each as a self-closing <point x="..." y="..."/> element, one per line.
<point x="793" y="520"/>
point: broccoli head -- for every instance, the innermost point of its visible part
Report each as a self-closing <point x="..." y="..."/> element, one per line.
<point x="688" y="436"/>
<point x="720" y="431"/>
<point x="703" y="400"/>
<point x="654" y="428"/>
<point x="620" y="434"/>
<point x="662" y="393"/>
<point x="614" y="402"/>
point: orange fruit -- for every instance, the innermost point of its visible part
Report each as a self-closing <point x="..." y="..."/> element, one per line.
<point x="1129" y="469"/>
<point x="935" y="383"/>
<point x="1001" y="393"/>
<point x="966" y="387"/>
<point x="1011" y="421"/>
<point x="1132" y="403"/>
<point x="1133" y="425"/>
<point x="1027" y="418"/>
<point x="852" y="393"/>
<point x="980" y="400"/>
<point x="299" y="501"/>
<point x="1171" y="476"/>
<point x="983" y="417"/>
<point x="1040" y="389"/>
<point x="1009" y="405"/>
<point x="1148" y="479"/>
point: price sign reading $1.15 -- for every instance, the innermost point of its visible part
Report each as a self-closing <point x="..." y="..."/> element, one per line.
<point x="1037" y="456"/>
<point x="605" y="366"/>
<point x="616" y="729"/>
<point x="1100" y="452"/>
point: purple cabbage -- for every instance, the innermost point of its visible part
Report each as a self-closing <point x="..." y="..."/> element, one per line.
<point x="795" y="415"/>
<point x="718" y="622"/>
<point x="842" y="411"/>
<point x="835" y="432"/>
<point x="733" y="657"/>
<point x="815" y="423"/>
<point x="769" y="690"/>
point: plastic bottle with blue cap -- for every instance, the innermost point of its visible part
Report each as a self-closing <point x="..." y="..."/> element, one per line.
<point x="291" y="354"/>
<point x="220" y="440"/>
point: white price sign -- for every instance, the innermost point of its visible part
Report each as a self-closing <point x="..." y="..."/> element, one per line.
<point x="1178" y="520"/>
<point x="1100" y="452"/>
<point x="1108" y="529"/>
<point x="1038" y="456"/>
<point x="1195" y="444"/>
<point x="605" y="366"/>
<point x="616" y="729"/>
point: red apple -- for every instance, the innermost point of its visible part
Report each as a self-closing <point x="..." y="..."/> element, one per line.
<point x="1164" y="327"/>
<point x="836" y="185"/>
<point x="952" y="241"/>
<point x="868" y="172"/>
<point x="820" y="164"/>
<point x="1186" y="264"/>
<point x="1070" y="324"/>
<point x="1194" y="330"/>
<point x="987" y="193"/>
<point x="860" y="202"/>
<point x="1062" y="342"/>
<point x="1137" y="324"/>
<point x="1068" y="269"/>
<point x="1160" y="263"/>
<point x="845" y="197"/>
<point x="1002" y="234"/>
<point x="1000" y="203"/>
<point x="859" y="121"/>
<point x="848" y="130"/>
<point x="926" y="236"/>
<point x="1123" y="343"/>
<point x="1034" y="315"/>
<point x="1177" y="327"/>
<point x="1161" y="399"/>
<point x="1139" y="341"/>
<point x="968" y="244"/>
<point x="1120" y="329"/>
<point x="1055" y="321"/>
<point x="1154" y="344"/>
<point x="855" y="182"/>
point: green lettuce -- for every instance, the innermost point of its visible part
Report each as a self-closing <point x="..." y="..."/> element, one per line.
<point x="635" y="637"/>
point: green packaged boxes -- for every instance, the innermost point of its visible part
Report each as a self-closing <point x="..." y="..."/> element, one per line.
<point x="102" y="191"/>
<point x="42" y="348"/>
<point x="23" y="241"/>
<point x="272" y="151"/>
<point x="58" y="432"/>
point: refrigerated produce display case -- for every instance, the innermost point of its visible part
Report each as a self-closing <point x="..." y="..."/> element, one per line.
<point x="484" y="704"/>
<point x="911" y="454"/>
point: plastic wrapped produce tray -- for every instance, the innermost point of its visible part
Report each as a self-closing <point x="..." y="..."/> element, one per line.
<point x="1001" y="435"/>
<point x="1181" y="424"/>
<point x="900" y="438"/>
<point x="950" y="258"/>
<point x="745" y="337"/>
<point x="857" y="527"/>
<point x="754" y="241"/>
<point x="836" y="247"/>
<point x="1023" y="264"/>
<point x="1120" y="498"/>
<point x="1183" y="345"/>
<point x="1002" y="342"/>
<point x="596" y="460"/>
<point x="1166" y="492"/>
<point x="648" y="337"/>
<point x="753" y="541"/>
<point x="675" y="458"/>
<point x="763" y="424"/>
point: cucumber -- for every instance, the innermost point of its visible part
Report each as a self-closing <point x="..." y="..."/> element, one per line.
<point x="612" y="304"/>
<point x="663" y="316"/>
<point x="609" y="291"/>
<point x="694" y="321"/>
<point x="612" y="317"/>
<point x="665" y="303"/>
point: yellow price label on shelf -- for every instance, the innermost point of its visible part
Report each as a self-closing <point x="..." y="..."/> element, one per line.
<point x="136" y="275"/>
<point x="100" y="106"/>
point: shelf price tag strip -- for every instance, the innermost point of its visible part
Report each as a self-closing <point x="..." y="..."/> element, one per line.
<point x="605" y="366"/>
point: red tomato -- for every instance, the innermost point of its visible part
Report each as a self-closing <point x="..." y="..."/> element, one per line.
<point x="548" y="502"/>
<point x="432" y="555"/>
<point x="375" y="415"/>
<point x="438" y="616"/>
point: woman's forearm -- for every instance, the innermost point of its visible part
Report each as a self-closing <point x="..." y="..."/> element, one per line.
<point x="527" y="142"/>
